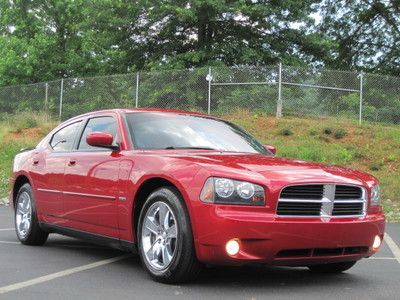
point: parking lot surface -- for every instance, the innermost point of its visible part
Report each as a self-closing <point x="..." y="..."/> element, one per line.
<point x="66" y="268"/>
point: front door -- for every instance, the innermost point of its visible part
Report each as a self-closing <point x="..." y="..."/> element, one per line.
<point x="91" y="183"/>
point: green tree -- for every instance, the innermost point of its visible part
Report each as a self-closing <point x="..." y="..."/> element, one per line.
<point x="48" y="39"/>
<point x="365" y="34"/>
<point x="181" y="33"/>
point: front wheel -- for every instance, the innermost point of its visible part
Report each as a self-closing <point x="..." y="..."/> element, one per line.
<point x="332" y="268"/>
<point x="165" y="238"/>
<point x="26" y="222"/>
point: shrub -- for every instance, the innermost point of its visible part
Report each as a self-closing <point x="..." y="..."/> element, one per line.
<point x="285" y="132"/>
<point x="26" y="120"/>
<point x="340" y="133"/>
<point x="327" y="130"/>
<point x="375" y="166"/>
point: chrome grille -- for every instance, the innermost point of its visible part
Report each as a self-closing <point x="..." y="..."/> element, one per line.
<point x="322" y="200"/>
<point x="347" y="192"/>
<point x="299" y="209"/>
<point x="303" y="192"/>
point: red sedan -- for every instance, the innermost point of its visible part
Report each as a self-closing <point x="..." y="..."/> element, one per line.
<point x="186" y="189"/>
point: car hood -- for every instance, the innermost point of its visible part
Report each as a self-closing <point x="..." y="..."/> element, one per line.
<point x="274" y="168"/>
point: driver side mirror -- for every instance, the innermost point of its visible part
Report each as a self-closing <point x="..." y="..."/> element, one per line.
<point x="270" y="148"/>
<point x="101" y="139"/>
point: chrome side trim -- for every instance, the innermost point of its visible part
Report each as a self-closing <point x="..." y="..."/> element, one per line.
<point x="49" y="191"/>
<point x="90" y="195"/>
<point x="78" y="194"/>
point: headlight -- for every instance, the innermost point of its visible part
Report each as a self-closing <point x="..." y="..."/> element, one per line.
<point x="224" y="187"/>
<point x="228" y="191"/>
<point x="376" y="195"/>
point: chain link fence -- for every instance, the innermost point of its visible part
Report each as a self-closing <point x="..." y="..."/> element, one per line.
<point x="277" y="90"/>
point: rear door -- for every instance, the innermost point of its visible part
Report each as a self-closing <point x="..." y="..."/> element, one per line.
<point x="48" y="172"/>
<point x="91" y="182"/>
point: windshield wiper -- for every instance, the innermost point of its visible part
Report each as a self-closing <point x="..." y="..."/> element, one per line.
<point x="190" y="147"/>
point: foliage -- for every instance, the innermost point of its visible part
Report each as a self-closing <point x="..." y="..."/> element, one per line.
<point x="375" y="166"/>
<point x="46" y="40"/>
<point x="364" y="34"/>
<point x="285" y="132"/>
<point x="340" y="133"/>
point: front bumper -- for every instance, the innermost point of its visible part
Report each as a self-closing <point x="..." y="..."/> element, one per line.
<point x="267" y="239"/>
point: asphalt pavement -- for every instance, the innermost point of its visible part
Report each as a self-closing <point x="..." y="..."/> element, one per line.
<point x="67" y="268"/>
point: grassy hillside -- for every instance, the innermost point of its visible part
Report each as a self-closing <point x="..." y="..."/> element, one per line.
<point x="368" y="147"/>
<point x="373" y="148"/>
<point x="17" y="132"/>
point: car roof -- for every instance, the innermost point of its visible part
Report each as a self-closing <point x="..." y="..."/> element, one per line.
<point x="133" y="110"/>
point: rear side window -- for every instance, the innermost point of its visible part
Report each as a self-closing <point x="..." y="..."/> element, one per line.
<point x="63" y="140"/>
<point x="102" y="124"/>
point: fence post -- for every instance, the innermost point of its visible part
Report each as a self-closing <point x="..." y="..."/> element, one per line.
<point x="279" y="103"/>
<point x="61" y="97"/>
<point x="137" y="90"/>
<point x="209" y="79"/>
<point x="361" y="96"/>
<point x="46" y="105"/>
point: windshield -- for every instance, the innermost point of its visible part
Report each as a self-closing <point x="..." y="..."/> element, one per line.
<point x="179" y="131"/>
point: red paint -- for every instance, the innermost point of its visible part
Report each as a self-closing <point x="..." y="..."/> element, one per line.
<point x="270" y="148"/>
<point x="95" y="192"/>
<point x="101" y="139"/>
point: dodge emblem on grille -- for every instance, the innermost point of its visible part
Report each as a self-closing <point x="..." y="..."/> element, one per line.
<point x="327" y="200"/>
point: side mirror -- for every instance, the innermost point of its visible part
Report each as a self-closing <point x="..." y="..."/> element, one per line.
<point x="101" y="139"/>
<point x="270" y="148"/>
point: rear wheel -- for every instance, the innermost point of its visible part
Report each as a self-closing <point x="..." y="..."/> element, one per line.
<point x="165" y="238"/>
<point x="332" y="268"/>
<point x="26" y="222"/>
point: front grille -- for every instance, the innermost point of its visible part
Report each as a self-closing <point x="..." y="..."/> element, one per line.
<point x="303" y="192"/>
<point x="345" y="192"/>
<point x="343" y="209"/>
<point x="322" y="200"/>
<point x="321" y="252"/>
<point x="299" y="209"/>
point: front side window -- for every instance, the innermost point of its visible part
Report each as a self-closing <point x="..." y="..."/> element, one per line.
<point x="180" y="131"/>
<point x="102" y="124"/>
<point x="63" y="140"/>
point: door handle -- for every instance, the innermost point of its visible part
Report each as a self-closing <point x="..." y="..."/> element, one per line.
<point x="72" y="163"/>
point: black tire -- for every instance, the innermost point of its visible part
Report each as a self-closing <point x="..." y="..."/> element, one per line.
<point x="34" y="235"/>
<point x="332" y="267"/>
<point x="183" y="266"/>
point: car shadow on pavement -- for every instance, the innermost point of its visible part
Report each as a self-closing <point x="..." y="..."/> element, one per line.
<point x="273" y="276"/>
<point x="225" y="277"/>
<point x="83" y="248"/>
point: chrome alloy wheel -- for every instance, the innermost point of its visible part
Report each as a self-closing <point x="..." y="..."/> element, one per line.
<point x="159" y="235"/>
<point x="23" y="214"/>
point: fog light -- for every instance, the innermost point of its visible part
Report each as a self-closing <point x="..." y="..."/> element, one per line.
<point x="232" y="247"/>
<point x="377" y="242"/>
